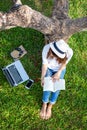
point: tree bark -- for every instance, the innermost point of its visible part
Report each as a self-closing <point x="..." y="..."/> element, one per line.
<point x="60" y="9"/>
<point x="58" y="26"/>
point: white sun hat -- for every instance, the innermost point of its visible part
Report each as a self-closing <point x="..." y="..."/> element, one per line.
<point x="59" y="48"/>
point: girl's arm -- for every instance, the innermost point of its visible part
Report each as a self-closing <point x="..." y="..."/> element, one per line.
<point x="44" y="69"/>
<point x="56" y="76"/>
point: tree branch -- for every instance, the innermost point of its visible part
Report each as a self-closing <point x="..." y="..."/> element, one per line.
<point x="16" y="17"/>
<point x="77" y="25"/>
<point x="60" y="9"/>
<point x="60" y="26"/>
<point x="43" y="23"/>
<point x="26" y="17"/>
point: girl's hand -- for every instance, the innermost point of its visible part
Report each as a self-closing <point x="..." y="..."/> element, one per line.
<point x="42" y="82"/>
<point x="56" y="76"/>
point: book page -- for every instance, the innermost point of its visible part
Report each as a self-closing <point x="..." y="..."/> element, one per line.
<point x="49" y="85"/>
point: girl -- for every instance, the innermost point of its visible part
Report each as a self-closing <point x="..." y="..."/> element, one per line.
<point x="55" y="57"/>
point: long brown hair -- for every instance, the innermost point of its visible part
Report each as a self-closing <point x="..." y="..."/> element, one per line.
<point x="51" y="54"/>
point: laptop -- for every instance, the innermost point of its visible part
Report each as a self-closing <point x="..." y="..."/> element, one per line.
<point x="15" y="73"/>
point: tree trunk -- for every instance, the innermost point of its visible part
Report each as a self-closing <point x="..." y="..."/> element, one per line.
<point x="58" y="26"/>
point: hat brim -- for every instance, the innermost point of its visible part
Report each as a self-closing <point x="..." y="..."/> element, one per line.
<point x="56" y="52"/>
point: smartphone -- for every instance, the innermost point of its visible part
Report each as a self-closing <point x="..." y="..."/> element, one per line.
<point x="29" y="84"/>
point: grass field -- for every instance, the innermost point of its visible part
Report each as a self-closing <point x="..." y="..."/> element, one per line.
<point x="19" y="107"/>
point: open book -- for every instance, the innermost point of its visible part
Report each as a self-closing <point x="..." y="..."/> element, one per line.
<point x="49" y="85"/>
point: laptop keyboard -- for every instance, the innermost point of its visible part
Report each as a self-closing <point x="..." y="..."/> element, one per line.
<point x="15" y="74"/>
<point x="8" y="76"/>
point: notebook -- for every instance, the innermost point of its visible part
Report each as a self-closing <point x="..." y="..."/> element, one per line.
<point x="49" y="85"/>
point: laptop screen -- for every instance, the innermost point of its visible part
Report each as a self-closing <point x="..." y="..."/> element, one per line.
<point x="15" y="73"/>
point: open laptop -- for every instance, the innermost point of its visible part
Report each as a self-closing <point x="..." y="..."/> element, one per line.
<point x="15" y="73"/>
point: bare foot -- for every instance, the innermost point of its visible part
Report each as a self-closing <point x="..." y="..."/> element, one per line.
<point x="43" y="111"/>
<point x="48" y="112"/>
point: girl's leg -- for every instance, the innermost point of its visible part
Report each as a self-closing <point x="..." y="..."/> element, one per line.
<point x="43" y="111"/>
<point x="49" y="111"/>
<point x="54" y="96"/>
<point x="45" y="99"/>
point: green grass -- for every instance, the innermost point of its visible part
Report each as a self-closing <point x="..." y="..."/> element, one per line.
<point x="19" y="107"/>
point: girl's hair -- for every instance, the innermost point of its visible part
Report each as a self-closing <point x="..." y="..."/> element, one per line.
<point x="51" y="54"/>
